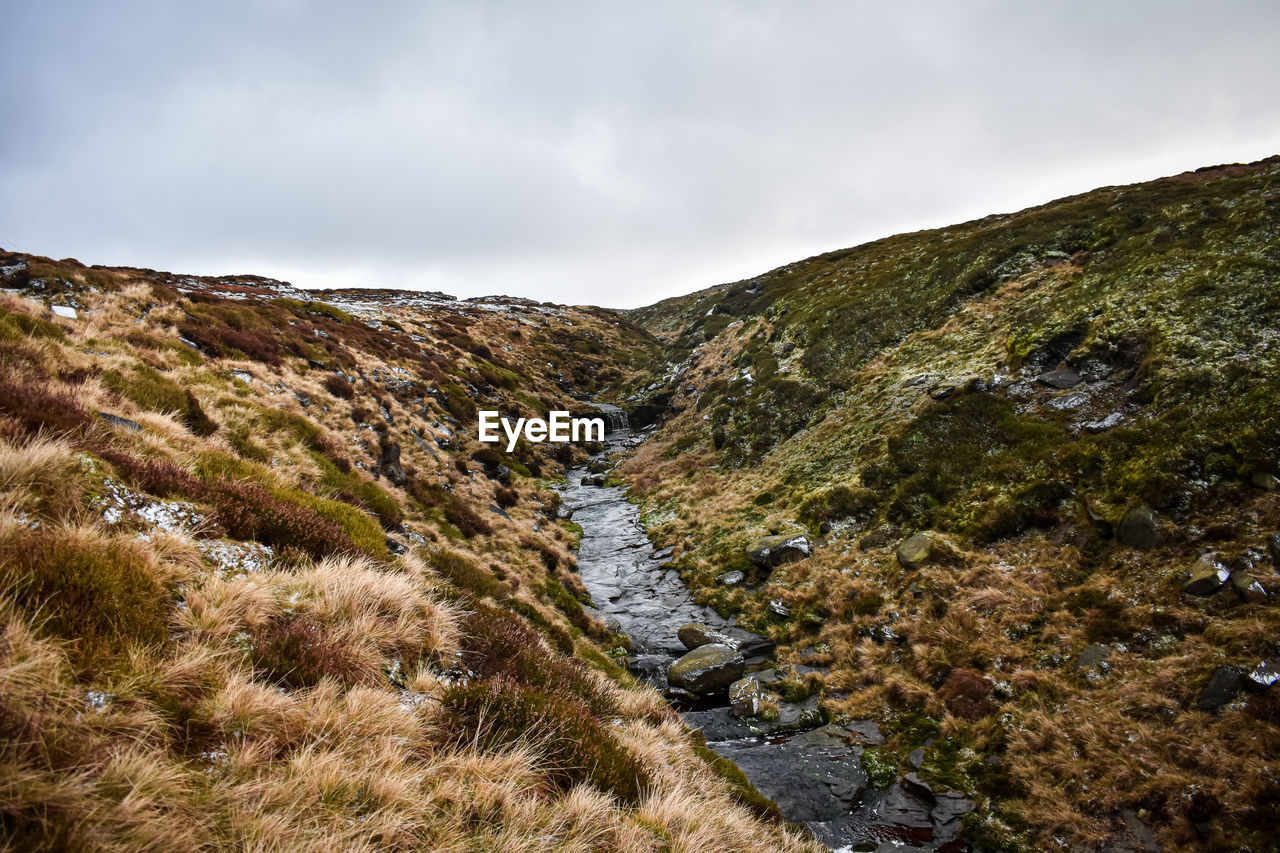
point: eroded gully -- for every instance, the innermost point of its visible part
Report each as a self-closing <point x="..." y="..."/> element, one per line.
<point x="812" y="771"/>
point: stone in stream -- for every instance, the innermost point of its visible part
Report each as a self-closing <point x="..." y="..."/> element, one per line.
<point x="769" y="552"/>
<point x="745" y="697"/>
<point x="695" y="635"/>
<point x="707" y="669"/>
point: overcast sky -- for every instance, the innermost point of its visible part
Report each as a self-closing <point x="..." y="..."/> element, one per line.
<point x="598" y="152"/>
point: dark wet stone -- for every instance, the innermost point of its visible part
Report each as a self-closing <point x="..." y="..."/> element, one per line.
<point x="707" y="669"/>
<point x="663" y="553"/>
<point x="499" y="473"/>
<point x="1263" y="676"/>
<point x="1206" y="581"/>
<point x="745" y="697"/>
<point x="695" y="635"/>
<point x="1249" y="588"/>
<point x="1139" y="529"/>
<point x="1224" y="684"/>
<point x="494" y="508"/>
<point x="1273" y="546"/>
<point x="1092" y="656"/>
<point x="1062" y="378"/>
<point x="799" y="715"/>
<point x="810" y="778"/>
<point x="769" y="552"/>
<point x="915" y="760"/>
<point x="389" y="464"/>
<point x="1265" y="481"/>
<point x="907" y="803"/>
<point x="123" y="423"/>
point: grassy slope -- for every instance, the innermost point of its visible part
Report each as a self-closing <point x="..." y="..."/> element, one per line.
<point x="166" y="682"/>
<point x="890" y="388"/>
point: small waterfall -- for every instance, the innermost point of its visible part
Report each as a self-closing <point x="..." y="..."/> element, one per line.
<point x="615" y="418"/>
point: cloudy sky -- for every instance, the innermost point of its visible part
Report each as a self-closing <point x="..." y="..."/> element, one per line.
<point x="594" y="151"/>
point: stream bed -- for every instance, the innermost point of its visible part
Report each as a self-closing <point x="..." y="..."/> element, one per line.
<point x="812" y="771"/>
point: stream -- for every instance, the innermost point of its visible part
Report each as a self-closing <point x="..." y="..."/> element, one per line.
<point x="812" y="771"/>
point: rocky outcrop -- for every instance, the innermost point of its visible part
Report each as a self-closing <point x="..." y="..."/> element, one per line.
<point x="769" y="552"/>
<point x="707" y="669"/>
<point x="389" y="464"/>
<point x="1139" y="529"/>
<point x="926" y="547"/>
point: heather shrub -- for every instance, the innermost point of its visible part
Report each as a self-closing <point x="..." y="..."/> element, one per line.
<point x="339" y="387"/>
<point x="455" y="510"/>
<point x="575" y="747"/>
<point x="499" y="643"/>
<point x="507" y="498"/>
<point x="158" y="477"/>
<point x="250" y="511"/>
<point x="100" y="593"/>
<point x="37" y="407"/>
<point x="297" y="651"/>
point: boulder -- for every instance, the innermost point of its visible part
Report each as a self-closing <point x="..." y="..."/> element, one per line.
<point x="1139" y="529"/>
<point x="593" y="480"/>
<point x="1093" y="656"/>
<point x="1248" y="587"/>
<point x="1263" y="676"/>
<point x="1206" y="581"/>
<point x="769" y="552"/>
<point x="1273" y="545"/>
<point x="926" y="547"/>
<point x="499" y="473"/>
<point x="745" y="696"/>
<point x="707" y="669"/>
<point x="1062" y="378"/>
<point x="695" y="635"/>
<point x="389" y="464"/>
<point x="1266" y="482"/>
<point x="1222" y="687"/>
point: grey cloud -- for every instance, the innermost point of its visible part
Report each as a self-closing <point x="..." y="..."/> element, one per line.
<point x="593" y="151"/>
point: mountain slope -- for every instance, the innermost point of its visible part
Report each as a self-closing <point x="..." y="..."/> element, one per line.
<point x="262" y="589"/>
<point x="1076" y="405"/>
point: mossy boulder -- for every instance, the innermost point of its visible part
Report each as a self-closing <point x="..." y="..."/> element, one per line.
<point x="695" y="635"/>
<point x="920" y="549"/>
<point x="1139" y="529"/>
<point x="707" y="669"/>
<point x="769" y="552"/>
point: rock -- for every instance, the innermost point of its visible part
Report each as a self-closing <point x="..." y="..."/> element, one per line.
<point x="663" y="553"/>
<point x="1068" y="401"/>
<point x="494" y="508"/>
<point x="824" y="528"/>
<point x="1273" y="545"/>
<point x="680" y="696"/>
<point x="1139" y="529"/>
<point x="1062" y="378"/>
<point x="779" y="608"/>
<point x="745" y="696"/>
<point x="1207" y="581"/>
<point x="1248" y="587"/>
<point x="1263" y="676"/>
<point x="1109" y="422"/>
<point x="389" y="464"/>
<point x="926" y="547"/>
<point x="650" y="668"/>
<point x="915" y="759"/>
<point x="66" y="312"/>
<point x="1093" y="656"/>
<point x="117" y="421"/>
<point x="500" y="474"/>
<point x="908" y="803"/>
<point x="304" y="399"/>
<point x="1223" y="686"/>
<point x="695" y="635"/>
<point x="731" y="578"/>
<point x="593" y="480"/>
<point x="799" y="715"/>
<point x="1266" y="482"/>
<point x="769" y="552"/>
<point x="707" y="669"/>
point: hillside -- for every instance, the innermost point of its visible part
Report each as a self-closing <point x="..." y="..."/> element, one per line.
<point x="264" y="590"/>
<point x="1036" y="458"/>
